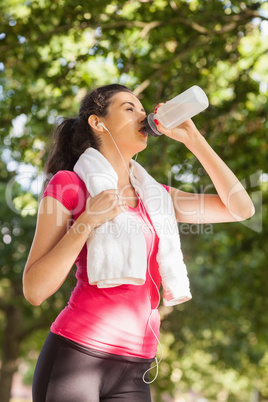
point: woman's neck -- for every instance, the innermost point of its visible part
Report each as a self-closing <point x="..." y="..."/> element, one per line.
<point x="120" y="167"/>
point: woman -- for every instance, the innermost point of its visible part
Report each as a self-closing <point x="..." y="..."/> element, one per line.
<point x="103" y="342"/>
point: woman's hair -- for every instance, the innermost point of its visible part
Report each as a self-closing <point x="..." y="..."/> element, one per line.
<point x="73" y="136"/>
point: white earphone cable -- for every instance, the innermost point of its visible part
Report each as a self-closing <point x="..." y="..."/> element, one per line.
<point x="149" y="322"/>
<point x="161" y="351"/>
<point x="105" y="128"/>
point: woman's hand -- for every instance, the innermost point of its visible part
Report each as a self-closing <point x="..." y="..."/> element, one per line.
<point x="104" y="207"/>
<point x="58" y="245"/>
<point x="185" y="132"/>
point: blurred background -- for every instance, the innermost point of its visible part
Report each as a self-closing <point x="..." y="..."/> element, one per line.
<point x="51" y="53"/>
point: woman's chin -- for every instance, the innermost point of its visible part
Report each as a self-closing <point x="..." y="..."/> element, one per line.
<point x="143" y="146"/>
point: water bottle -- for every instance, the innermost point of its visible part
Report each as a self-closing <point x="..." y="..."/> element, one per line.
<point x="176" y="111"/>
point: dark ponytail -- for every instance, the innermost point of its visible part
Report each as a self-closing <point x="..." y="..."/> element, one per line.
<point x="74" y="135"/>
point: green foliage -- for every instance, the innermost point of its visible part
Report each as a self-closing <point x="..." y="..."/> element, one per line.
<point x="52" y="52"/>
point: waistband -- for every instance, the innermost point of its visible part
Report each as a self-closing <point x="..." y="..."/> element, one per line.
<point x="100" y="353"/>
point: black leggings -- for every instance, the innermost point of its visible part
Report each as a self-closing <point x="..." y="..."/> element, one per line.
<point x="69" y="372"/>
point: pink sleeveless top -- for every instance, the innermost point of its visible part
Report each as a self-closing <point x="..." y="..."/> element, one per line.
<point x="116" y="320"/>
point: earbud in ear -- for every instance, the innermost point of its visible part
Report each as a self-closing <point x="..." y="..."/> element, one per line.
<point x="101" y="124"/>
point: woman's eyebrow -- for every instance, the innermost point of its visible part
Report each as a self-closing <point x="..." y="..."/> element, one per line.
<point x="132" y="104"/>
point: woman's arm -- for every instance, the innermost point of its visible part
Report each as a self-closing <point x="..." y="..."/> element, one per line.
<point x="232" y="203"/>
<point x="56" y="245"/>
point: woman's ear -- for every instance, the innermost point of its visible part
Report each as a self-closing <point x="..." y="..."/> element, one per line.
<point x="94" y="121"/>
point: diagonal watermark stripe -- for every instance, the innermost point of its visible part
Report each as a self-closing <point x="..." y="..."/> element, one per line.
<point x="255" y="223"/>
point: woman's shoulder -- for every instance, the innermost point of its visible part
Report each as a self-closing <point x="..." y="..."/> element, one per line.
<point x="66" y="177"/>
<point x="67" y="188"/>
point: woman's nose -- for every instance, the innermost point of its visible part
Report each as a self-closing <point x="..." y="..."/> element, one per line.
<point x="142" y="116"/>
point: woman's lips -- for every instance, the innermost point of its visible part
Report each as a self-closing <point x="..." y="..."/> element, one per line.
<point x="141" y="130"/>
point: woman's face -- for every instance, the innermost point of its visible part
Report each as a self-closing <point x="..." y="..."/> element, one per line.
<point x="124" y="120"/>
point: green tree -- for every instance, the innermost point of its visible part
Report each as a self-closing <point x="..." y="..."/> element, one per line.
<point x="52" y="53"/>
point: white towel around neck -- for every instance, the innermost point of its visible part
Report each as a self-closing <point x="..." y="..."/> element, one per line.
<point x="116" y="250"/>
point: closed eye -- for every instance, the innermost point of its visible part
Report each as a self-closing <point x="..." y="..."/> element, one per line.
<point x="133" y="107"/>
